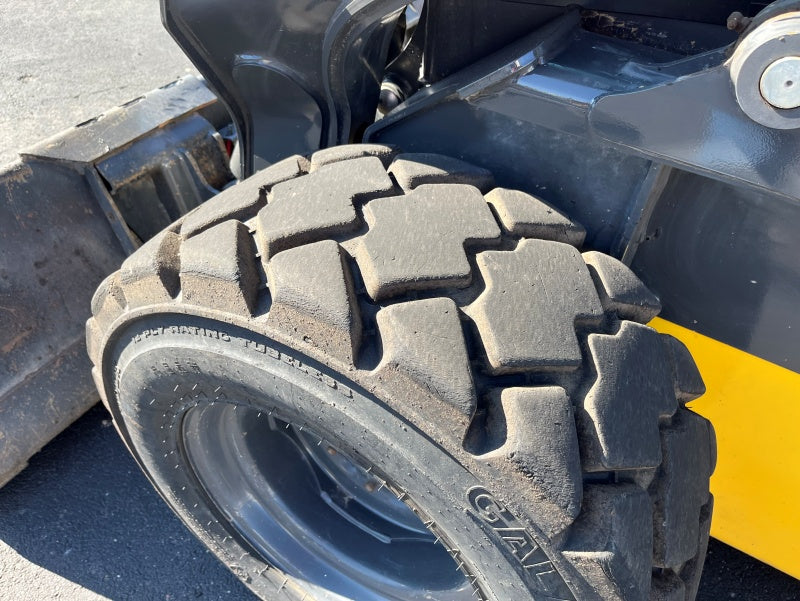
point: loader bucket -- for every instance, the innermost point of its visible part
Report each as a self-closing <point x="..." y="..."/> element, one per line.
<point x="71" y="209"/>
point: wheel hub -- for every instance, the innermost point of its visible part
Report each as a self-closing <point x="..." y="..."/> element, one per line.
<point x="314" y="512"/>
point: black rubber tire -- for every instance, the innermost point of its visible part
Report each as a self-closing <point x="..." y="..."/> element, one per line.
<point x="499" y="381"/>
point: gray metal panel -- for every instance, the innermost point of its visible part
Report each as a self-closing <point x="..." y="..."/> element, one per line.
<point x="328" y="53"/>
<point x="726" y="263"/>
<point x="696" y="123"/>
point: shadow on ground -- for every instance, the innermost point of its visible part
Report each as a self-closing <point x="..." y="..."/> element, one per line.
<point x="730" y="574"/>
<point x="83" y="510"/>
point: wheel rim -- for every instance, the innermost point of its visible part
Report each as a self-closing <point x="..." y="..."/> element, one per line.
<point x="313" y="512"/>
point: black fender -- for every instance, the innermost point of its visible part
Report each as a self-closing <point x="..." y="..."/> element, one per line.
<point x="295" y="76"/>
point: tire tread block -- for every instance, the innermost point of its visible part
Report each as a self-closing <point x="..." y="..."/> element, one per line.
<point x="151" y="274"/>
<point x="533" y="298"/>
<point x="218" y="269"/>
<point x="541" y="441"/>
<point x="242" y="201"/>
<point x="335" y="154"/>
<point x="681" y="490"/>
<point x="108" y="301"/>
<point x="417" y="241"/>
<point x="611" y="542"/>
<point x="689" y="383"/>
<point x="424" y="344"/>
<point x="412" y="170"/>
<point x="620" y="290"/>
<point x="630" y="395"/>
<point x="692" y="570"/>
<point x="526" y="216"/>
<point x="320" y="205"/>
<point x="313" y="299"/>
<point x="98" y="382"/>
<point x="94" y="336"/>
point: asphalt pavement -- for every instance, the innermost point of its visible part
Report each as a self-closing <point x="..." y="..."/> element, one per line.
<point x="81" y="522"/>
<point x="65" y="61"/>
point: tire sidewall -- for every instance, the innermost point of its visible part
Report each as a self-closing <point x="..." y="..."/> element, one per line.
<point x="166" y="365"/>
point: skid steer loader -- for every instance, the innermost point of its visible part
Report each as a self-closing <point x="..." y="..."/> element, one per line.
<point x="385" y="321"/>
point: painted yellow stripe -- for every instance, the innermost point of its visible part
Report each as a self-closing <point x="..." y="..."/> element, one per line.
<point x="755" y="408"/>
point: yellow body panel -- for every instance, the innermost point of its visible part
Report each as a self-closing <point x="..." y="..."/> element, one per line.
<point x="755" y="408"/>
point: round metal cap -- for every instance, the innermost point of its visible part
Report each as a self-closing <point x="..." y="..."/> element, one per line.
<point x="780" y="83"/>
<point x="765" y="70"/>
